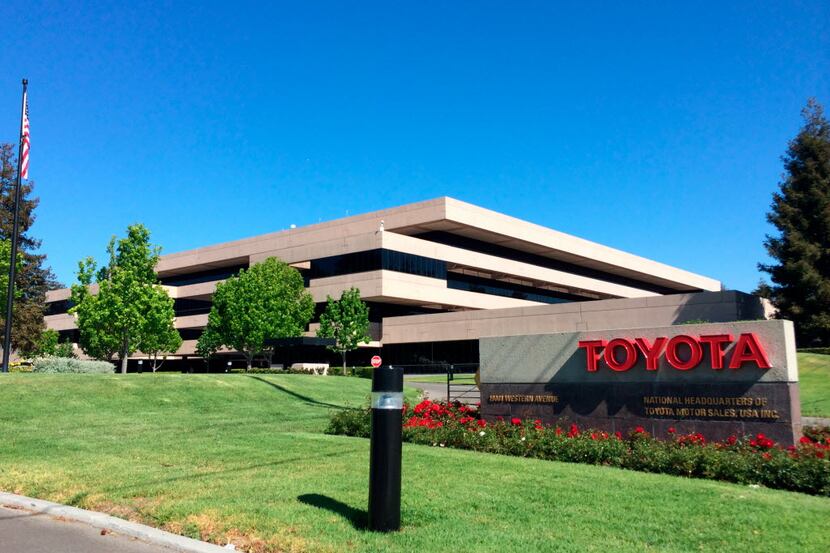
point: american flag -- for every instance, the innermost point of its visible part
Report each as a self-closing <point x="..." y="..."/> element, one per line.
<point x="24" y="139"/>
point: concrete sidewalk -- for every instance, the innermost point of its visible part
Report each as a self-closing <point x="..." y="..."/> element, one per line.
<point x="29" y="525"/>
<point x="26" y="532"/>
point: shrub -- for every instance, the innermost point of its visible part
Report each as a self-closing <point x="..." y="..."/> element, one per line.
<point x="260" y="370"/>
<point x="750" y="460"/>
<point x="68" y="365"/>
<point x="822" y="351"/>
<point x="20" y="367"/>
<point x="817" y="433"/>
<point x="49" y="345"/>
<point x="359" y="372"/>
<point x="351" y="422"/>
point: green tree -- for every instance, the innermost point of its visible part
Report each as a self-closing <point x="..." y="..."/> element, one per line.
<point x="800" y="210"/>
<point x="32" y="278"/>
<point x="129" y="307"/>
<point x="208" y="344"/>
<point x="266" y="301"/>
<point x="50" y="345"/>
<point x="347" y="321"/>
<point x="159" y="336"/>
<point x="5" y="257"/>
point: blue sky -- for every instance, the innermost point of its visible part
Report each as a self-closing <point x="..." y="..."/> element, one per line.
<point x="656" y="127"/>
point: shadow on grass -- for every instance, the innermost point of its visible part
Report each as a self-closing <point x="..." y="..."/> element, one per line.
<point x="295" y="394"/>
<point x="357" y="517"/>
<point x="237" y="470"/>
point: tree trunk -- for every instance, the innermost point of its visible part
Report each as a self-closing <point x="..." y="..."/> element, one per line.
<point x="343" y="353"/>
<point x="248" y="361"/>
<point x="125" y="349"/>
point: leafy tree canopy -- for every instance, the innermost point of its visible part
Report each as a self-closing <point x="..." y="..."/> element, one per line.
<point x="347" y="321"/>
<point x="266" y="301"/>
<point x="32" y="278"/>
<point x="159" y="335"/>
<point x="800" y="211"/>
<point x="129" y="310"/>
<point x="49" y="345"/>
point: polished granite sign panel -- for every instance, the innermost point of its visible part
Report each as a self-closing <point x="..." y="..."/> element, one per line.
<point x="719" y="379"/>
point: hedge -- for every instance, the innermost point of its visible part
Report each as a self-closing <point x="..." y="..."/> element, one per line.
<point x="822" y="351"/>
<point x="359" y="372"/>
<point x="744" y="460"/>
<point x="69" y="365"/>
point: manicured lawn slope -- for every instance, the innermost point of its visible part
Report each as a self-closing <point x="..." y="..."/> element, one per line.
<point x="814" y="377"/>
<point x="243" y="457"/>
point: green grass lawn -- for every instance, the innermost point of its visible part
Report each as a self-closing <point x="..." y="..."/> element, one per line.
<point x="814" y="378"/>
<point x="244" y="457"/>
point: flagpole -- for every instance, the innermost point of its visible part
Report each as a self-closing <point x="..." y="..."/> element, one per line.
<point x="7" y="338"/>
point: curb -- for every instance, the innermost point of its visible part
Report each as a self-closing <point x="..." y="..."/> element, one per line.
<point x="153" y="536"/>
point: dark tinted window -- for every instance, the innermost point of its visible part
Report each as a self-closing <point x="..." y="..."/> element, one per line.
<point x="427" y="353"/>
<point x="501" y="251"/>
<point x="190" y="333"/>
<point x="357" y="262"/>
<point x="459" y="281"/>
<point x="72" y="335"/>
<point x="58" y="307"/>
<point x="378" y="310"/>
<point x="202" y="276"/>
<point x="375" y="260"/>
<point x="185" y="306"/>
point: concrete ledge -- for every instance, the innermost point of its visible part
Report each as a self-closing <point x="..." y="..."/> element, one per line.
<point x="146" y="534"/>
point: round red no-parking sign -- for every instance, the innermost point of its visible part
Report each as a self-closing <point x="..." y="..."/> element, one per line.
<point x="376" y="361"/>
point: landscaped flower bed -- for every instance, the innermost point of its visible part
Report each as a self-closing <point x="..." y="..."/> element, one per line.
<point x="746" y="460"/>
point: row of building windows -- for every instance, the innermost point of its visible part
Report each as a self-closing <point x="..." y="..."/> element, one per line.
<point x="459" y="281"/>
<point x="187" y="306"/>
<point x="479" y="246"/>
<point x="376" y="260"/>
<point x="416" y="357"/>
<point x="208" y="275"/>
<point x="58" y="307"/>
<point x="424" y="356"/>
<point x="390" y="260"/>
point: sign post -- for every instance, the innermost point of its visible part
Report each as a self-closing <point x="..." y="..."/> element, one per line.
<point x="385" y="449"/>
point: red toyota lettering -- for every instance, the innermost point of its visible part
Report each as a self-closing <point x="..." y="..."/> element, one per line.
<point x="673" y="357"/>
<point x="748" y="350"/>
<point x="630" y="355"/>
<point x="716" y="351"/>
<point x="622" y="354"/>
<point x="592" y="348"/>
<point x="652" y="351"/>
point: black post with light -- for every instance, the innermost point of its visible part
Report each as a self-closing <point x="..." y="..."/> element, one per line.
<point x="7" y="337"/>
<point x="385" y="450"/>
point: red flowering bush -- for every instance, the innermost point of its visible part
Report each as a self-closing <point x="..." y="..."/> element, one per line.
<point x="804" y="467"/>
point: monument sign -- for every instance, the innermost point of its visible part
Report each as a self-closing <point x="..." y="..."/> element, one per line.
<point x="719" y="379"/>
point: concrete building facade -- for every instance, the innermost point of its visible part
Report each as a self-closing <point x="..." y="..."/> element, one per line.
<point x="444" y="272"/>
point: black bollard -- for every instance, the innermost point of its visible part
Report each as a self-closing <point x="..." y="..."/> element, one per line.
<point x="385" y="450"/>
